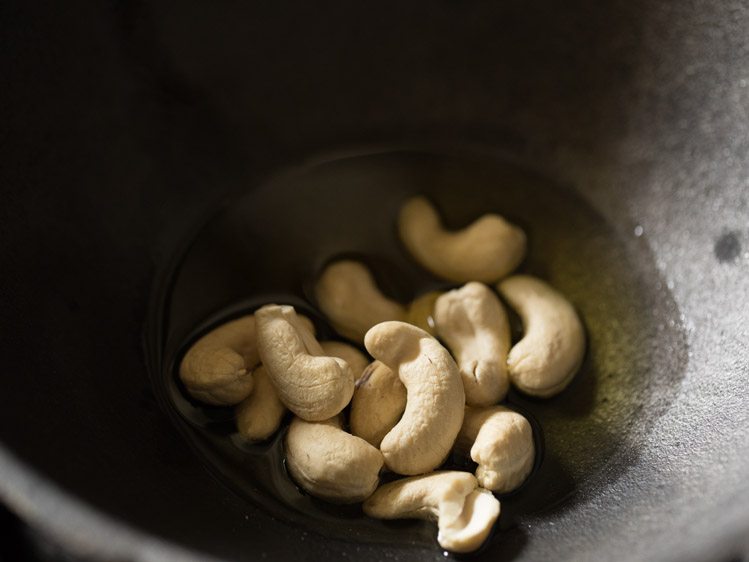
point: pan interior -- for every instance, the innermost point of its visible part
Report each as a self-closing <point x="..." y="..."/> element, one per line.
<point x="270" y="244"/>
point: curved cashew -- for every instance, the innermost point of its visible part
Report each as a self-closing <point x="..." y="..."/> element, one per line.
<point x="349" y="297"/>
<point x="486" y="250"/>
<point x="474" y="325"/>
<point x="330" y="463"/>
<point x="422" y="439"/>
<point x="260" y="414"/>
<point x="500" y="440"/>
<point x="465" y="514"/>
<point x="311" y="385"/>
<point x="544" y="362"/>
<point x="217" y="369"/>
<point x="355" y="358"/>
<point x="378" y="403"/>
<point x="421" y="311"/>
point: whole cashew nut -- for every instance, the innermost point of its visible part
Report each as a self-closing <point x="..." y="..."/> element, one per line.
<point x="485" y="251"/>
<point x="423" y="437"/>
<point x="544" y="362"/>
<point x="465" y="514"/>
<point x="500" y="440"/>
<point x="355" y="358"/>
<point x="217" y="369"/>
<point x="378" y="403"/>
<point x="349" y="297"/>
<point x="311" y="385"/>
<point x="330" y="463"/>
<point x="260" y="414"/>
<point x="474" y="325"/>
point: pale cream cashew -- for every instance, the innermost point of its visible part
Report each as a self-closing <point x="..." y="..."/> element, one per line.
<point x="217" y="369"/>
<point x="311" y="385"/>
<point x="378" y="403"/>
<point x="350" y="299"/>
<point x="500" y="440"/>
<point x="465" y="514"/>
<point x="330" y="463"/>
<point x="551" y="351"/>
<point x="485" y="251"/>
<point x="474" y="325"/>
<point x="355" y="358"/>
<point x="260" y="414"/>
<point x="421" y="311"/>
<point x="423" y="437"/>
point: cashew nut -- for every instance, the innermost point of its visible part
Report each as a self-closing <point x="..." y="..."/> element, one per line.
<point x="217" y="369"/>
<point x="355" y="358"/>
<point x="330" y="463"/>
<point x="422" y="439"/>
<point x="465" y="513"/>
<point x="311" y="385"/>
<point x="474" y="325"/>
<point x="421" y="311"/>
<point x="500" y="440"/>
<point x="544" y="362"/>
<point x="260" y="414"/>
<point x="378" y="403"/>
<point x="348" y="296"/>
<point x="486" y="250"/>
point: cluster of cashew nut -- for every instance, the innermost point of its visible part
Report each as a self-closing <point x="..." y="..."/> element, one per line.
<point x="441" y="366"/>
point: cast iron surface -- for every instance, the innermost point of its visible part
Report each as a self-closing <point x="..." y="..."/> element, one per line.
<point x="124" y="126"/>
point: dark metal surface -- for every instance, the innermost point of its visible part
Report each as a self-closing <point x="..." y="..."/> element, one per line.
<point x="125" y="125"/>
<point x="15" y="544"/>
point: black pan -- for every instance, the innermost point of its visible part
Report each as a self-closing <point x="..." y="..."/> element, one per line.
<point x="165" y="165"/>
